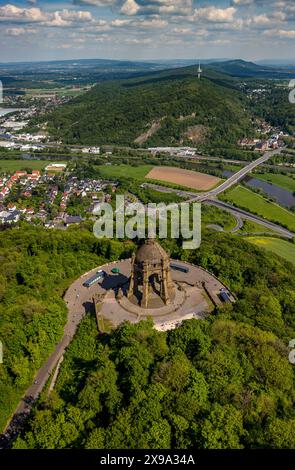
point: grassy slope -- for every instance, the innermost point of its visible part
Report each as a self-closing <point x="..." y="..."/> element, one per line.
<point x="248" y="200"/>
<point x="280" y="247"/>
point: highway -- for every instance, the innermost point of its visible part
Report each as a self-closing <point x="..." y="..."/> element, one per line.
<point x="209" y="198"/>
<point x="234" y="179"/>
<point x="241" y="214"/>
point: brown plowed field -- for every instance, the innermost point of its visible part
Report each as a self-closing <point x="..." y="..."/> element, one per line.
<point x="187" y="178"/>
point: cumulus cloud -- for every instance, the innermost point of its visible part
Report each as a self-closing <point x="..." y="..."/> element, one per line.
<point x="216" y="15"/>
<point x="281" y="33"/>
<point x="13" y="14"/>
<point x="137" y="41"/>
<point x="22" y="15"/>
<point x="96" y="3"/>
<point x="130" y="7"/>
<point x="143" y="7"/>
<point x="135" y="22"/>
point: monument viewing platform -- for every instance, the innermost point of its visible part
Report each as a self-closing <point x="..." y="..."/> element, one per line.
<point x="149" y="285"/>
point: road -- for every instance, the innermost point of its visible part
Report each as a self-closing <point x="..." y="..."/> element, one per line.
<point x="241" y="214"/>
<point x="234" y="179"/>
<point x="75" y="315"/>
<point x="209" y="198"/>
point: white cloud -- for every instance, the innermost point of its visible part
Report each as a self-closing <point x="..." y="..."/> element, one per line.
<point x="282" y="33"/>
<point x="137" y="41"/>
<point x="19" y="31"/>
<point x="242" y="2"/>
<point x="97" y="3"/>
<point x="23" y="15"/>
<point x="13" y="15"/>
<point x="181" y="30"/>
<point x="130" y="7"/>
<point x="120" y="22"/>
<point x="215" y="15"/>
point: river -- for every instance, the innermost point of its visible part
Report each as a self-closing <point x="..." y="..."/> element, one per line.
<point x="282" y="196"/>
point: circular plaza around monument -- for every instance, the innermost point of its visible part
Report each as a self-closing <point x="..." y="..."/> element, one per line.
<point x="148" y="285"/>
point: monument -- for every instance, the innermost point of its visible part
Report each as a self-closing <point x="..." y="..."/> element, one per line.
<point x="151" y="282"/>
<point x="152" y="285"/>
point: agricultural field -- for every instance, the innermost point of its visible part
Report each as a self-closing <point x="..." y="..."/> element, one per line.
<point x="15" y="165"/>
<point x="51" y="92"/>
<point x="253" y="202"/>
<point x="125" y="171"/>
<point x="144" y="172"/>
<point x="275" y="245"/>
<point x="283" y="181"/>
<point x="186" y="178"/>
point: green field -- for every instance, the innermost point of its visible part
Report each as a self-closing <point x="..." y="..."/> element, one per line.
<point x="253" y="202"/>
<point x="54" y="91"/>
<point x="125" y="171"/>
<point x="15" y="165"/>
<point x="283" y="181"/>
<point x="279" y="247"/>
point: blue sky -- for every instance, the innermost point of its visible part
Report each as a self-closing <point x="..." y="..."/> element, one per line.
<point x="147" y="29"/>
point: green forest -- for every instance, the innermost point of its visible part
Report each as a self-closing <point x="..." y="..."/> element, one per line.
<point x="119" y="112"/>
<point x="225" y="382"/>
<point x="36" y="268"/>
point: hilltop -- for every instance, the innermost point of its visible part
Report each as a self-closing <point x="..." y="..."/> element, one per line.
<point x="242" y="68"/>
<point x="159" y="108"/>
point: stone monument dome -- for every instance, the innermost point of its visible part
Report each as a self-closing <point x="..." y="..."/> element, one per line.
<point x="151" y="252"/>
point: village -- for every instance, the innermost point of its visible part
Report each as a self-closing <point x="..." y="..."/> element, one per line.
<point x="52" y="198"/>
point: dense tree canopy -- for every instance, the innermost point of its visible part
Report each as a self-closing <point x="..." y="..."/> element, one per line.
<point x="119" y="112"/>
<point x="36" y="268"/>
<point x="225" y="382"/>
<point x="214" y="384"/>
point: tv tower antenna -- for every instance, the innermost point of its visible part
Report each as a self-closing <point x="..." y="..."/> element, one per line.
<point x="200" y="71"/>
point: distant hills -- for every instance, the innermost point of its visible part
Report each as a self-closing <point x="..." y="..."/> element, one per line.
<point x="169" y="107"/>
<point x="164" y="108"/>
<point x="241" y="68"/>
